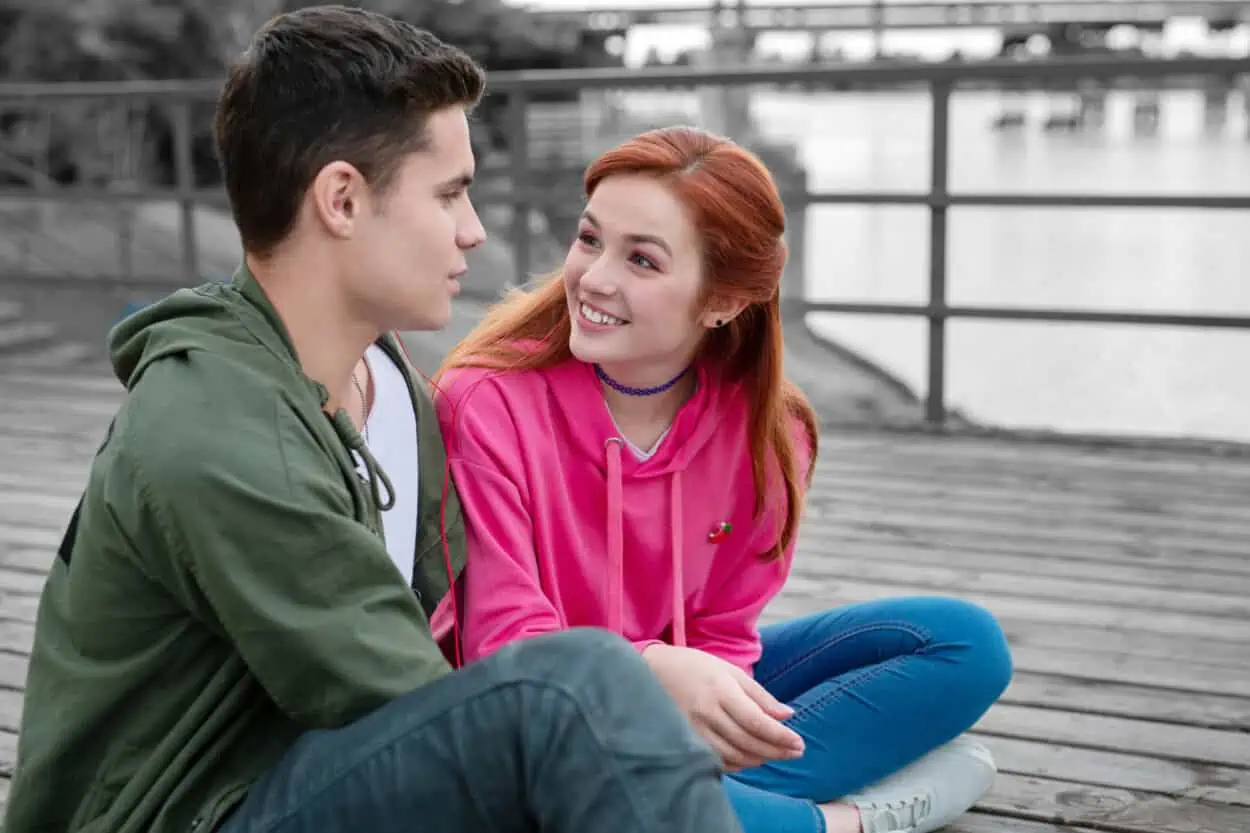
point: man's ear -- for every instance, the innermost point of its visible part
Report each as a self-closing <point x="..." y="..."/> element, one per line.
<point x="338" y="194"/>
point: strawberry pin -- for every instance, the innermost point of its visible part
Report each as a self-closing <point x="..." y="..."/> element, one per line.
<point x="720" y="532"/>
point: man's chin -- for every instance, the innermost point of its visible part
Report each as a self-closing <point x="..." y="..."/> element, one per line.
<point x="430" y="320"/>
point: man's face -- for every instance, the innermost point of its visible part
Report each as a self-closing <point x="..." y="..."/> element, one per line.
<point x="408" y="249"/>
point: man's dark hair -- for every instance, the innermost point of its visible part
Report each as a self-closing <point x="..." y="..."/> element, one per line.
<point x="329" y="83"/>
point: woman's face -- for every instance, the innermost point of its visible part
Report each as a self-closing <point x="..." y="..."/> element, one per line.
<point x="634" y="282"/>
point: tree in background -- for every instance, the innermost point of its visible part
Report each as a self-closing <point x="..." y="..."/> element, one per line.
<point x="115" y="40"/>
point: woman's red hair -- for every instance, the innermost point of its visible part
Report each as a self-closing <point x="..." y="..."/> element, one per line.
<point x="733" y="202"/>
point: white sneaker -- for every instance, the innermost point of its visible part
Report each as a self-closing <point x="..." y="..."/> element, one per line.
<point x="929" y="793"/>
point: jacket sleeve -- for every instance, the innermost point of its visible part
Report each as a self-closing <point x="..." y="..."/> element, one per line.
<point x="267" y="551"/>
<point x="503" y="599"/>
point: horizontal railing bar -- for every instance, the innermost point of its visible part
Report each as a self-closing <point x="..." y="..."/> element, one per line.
<point x="539" y="196"/>
<point x="919" y="73"/>
<point x="80" y="193"/>
<point x="1101" y="201"/>
<point x="1025" y="314"/>
<point x="1021" y="200"/>
<point x="558" y="80"/>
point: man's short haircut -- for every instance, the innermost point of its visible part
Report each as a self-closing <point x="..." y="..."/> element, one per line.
<point x="329" y="83"/>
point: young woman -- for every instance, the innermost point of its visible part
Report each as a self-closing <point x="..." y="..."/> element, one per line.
<point x="629" y="455"/>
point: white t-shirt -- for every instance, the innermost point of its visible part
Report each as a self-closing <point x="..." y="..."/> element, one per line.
<point x="391" y="434"/>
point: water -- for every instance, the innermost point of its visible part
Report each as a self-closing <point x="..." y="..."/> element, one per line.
<point x="1120" y="379"/>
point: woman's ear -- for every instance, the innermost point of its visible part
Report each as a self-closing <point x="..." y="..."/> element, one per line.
<point x="720" y="311"/>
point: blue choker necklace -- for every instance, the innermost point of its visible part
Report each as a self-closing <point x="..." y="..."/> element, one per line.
<point x="628" y="391"/>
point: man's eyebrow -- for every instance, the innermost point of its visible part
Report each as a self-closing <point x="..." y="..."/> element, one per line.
<point x="458" y="181"/>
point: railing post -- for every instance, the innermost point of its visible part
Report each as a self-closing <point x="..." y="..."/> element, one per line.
<point x="518" y="135"/>
<point x="939" y="196"/>
<point x="184" y="180"/>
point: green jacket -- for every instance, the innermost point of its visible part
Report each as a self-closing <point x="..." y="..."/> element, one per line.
<point x="227" y="588"/>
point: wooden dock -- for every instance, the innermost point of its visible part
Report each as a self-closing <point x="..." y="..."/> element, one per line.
<point x="1122" y="577"/>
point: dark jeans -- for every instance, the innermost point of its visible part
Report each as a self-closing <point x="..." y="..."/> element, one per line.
<point x="565" y="733"/>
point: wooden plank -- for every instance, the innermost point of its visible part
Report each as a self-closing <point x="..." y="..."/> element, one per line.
<point x="1159" y="740"/>
<point x="28" y="383"/>
<point x="919" y="523"/>
<point x="817" y="541"/>
<point x="1115" y="811"/>
<point x="814" y="595"/>
<point x="1055" y="479"/>
<point x="840" y="481"/>
<point x="13" y="671"/>
<point x="96" y="410"/>
<point x="1229" y="519"/>
<point x="12" y="483"/>
<point x="1118" y="770"/>
<point x="977" y="822"/>
<point x="1013" y="453"/>
<point x="8" y="752"/>
<point x="10" y="710"/>
<point x="21" y="582"/>
<point x="1031" y="546"/>
<point x="26" y="559"/>
<point x="1023" y="634"/>
<point x="1070" y="694"/>
<point x="35" y="512"/>
<point x="1228" y="602"/>
<point x="32" y="454"/>
<point x="1177" y="676"/>
<point x="20" y="536"/>
<point x="16" y="637"/>
<point x="1104" y="527"/>
<point x="16" y="608"/>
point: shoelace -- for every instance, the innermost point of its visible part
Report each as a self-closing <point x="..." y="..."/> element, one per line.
<point x="895" y="816"/>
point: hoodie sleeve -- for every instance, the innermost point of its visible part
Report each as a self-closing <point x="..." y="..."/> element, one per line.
<point x="738" y="590"/>
<point x="503" y="598"/>
<point x="267" y="552"/>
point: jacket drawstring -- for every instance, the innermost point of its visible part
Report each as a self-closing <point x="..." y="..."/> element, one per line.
<point x="351" y="438"/>
<point x="616" y="544"/>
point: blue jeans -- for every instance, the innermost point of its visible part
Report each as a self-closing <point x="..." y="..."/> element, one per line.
<point x="874" y="686"/>
<point x="563" y="733"/>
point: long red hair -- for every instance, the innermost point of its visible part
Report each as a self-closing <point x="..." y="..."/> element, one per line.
<point x="734" y="204"/>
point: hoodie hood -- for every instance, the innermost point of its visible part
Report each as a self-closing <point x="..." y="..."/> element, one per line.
<point x="589" y="424"/>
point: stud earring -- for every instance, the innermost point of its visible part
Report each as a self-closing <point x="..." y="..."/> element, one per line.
<point x="720" y="323"/>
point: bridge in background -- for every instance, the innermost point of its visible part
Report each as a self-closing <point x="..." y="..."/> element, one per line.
<point x="827" y="17"/>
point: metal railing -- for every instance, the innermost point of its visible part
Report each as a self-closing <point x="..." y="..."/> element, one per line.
<point x="523" y="192"/>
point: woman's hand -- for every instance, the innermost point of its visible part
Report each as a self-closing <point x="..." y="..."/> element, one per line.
<point x="730" y="710"/>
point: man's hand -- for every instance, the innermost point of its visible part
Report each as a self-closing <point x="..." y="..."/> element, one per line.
<point x="730" y="710"/>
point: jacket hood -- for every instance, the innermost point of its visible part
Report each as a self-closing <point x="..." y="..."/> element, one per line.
<point x="218" y="317"/>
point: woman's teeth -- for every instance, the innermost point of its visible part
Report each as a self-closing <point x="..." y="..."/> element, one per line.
<point x="597" y="317"/>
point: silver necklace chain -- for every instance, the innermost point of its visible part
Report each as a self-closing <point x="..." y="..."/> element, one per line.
<point x="364" y="407"/>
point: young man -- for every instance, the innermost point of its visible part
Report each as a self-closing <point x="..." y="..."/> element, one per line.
<point x="223" y="642"/>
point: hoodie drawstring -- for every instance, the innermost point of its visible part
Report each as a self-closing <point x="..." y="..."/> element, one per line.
<point x="616" y="545"/>
<point x="679" y="593"/>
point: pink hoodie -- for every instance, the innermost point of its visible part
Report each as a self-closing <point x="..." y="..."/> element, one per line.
<point x="566" y="527"/>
